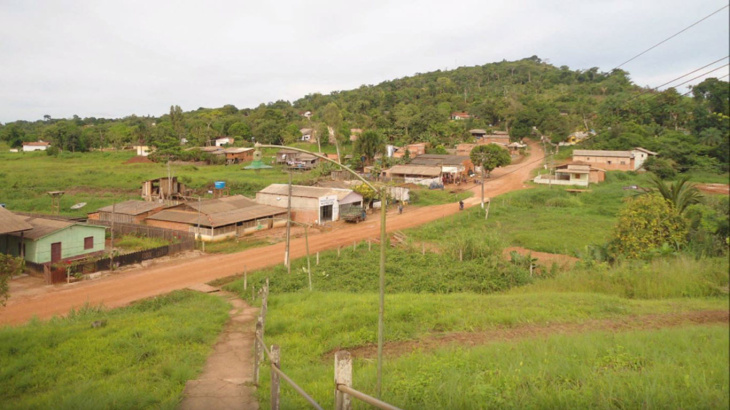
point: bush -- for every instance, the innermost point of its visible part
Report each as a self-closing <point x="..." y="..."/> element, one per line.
<point x="662" y="167"/>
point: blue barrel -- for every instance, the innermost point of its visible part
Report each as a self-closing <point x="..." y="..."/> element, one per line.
<point x="220" y="184"/>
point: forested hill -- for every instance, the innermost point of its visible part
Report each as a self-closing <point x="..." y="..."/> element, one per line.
<point x="689" y="131"/>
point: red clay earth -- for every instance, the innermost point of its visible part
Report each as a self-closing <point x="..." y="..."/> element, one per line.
<point x="123" y="288"/>
<point x="722" y="189"/>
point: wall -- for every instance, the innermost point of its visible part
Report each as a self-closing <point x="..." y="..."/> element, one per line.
<point x="72" y="243"/>
<point x="615" y="165"/>
<point x="547" y="180"/>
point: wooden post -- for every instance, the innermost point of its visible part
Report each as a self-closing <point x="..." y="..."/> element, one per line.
<point x="370" y="245"/>
<point x="245" y="278"/>
<point x="343" y="375"/>
<point x="253" y="293"/>
<point x="264" y="303"/>
<point x="111" y="254"/>
<point x="287" y="255"/>
<point x="338" y="251"/>
<point x="423" y="248"/>
<point x="486" y="214"/>
<point x="317" y="258"/>
<point x="309" y="265"/>
<point x="275" y="388"/>
<point x="461" y="255"/>
<point x="354" y="246"/>
<point x="258" y="351"/>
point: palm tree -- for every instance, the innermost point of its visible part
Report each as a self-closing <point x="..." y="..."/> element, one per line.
<point x="680" y="193"/>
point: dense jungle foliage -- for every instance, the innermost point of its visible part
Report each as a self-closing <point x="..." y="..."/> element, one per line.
<point x="525" y="97"/>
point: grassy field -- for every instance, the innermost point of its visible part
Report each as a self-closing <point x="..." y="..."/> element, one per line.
<point x="133" y="243"/>
<point x="141" y="358"/>
<point x="100" y="178"/>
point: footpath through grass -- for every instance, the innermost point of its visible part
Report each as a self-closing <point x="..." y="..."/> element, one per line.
<point x="140" y="358"/>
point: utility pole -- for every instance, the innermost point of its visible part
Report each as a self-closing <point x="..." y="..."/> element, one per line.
<point x="309" y="265"/>
<point x="287" y="256"/>
<point x="198" y="230"/>
<point x="111" y="254"/>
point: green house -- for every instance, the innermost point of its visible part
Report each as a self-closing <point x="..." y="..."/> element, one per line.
<point x="54" y="240"/>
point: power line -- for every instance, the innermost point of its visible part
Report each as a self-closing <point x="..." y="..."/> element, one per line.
<point x="671" y="37"/>
<point x="678" y="78"/>
<point x="702" y="75"/>
<point x="719" y="78"/>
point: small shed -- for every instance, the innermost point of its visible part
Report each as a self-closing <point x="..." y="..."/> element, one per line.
<point x="131" y="212"/>
<point x="164" y="188"/>
<point x="238" y="155"/>
<point x="415" y="174"/>
<point x="35" y="146"/>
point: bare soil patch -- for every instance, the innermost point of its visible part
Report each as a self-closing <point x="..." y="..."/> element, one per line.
<point x="721" y="189"/>
<point x="645" y="322"/>
<point x="544" y="259"/>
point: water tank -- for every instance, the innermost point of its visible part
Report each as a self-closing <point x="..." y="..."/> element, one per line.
<point x="220" y="184"/>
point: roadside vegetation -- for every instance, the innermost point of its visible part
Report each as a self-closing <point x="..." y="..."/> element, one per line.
<point x="136" y="357"/>
<point x="134" y="243"/>
<point x="468" y="327"/>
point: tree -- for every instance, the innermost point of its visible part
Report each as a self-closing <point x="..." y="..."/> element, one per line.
<point x="488" y="157"/>
<point x="680" y="194"/>
<point x="9" y="267"/>
<point x="368" y="145"/>
<point x="368" y="194"/>
<point x="646" y="223"/>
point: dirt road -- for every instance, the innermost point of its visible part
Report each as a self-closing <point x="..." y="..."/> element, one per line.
<point x="122" y="288"/>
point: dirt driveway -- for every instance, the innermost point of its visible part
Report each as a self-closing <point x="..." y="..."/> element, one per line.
<point x="122" y="288"/>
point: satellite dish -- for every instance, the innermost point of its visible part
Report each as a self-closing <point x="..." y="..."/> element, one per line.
<point x="79" y="205"/>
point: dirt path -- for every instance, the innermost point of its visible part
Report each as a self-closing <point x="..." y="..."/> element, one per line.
<point x="226" y="382"/>
<point x="645" y="322"/>
<point x="122" y="288"/>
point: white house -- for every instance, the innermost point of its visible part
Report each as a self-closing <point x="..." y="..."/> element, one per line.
<point x="310" y="204"/>
<point x="223" y="141"/>
<point x="35" y="146"/>
<point x="142" y="150"/>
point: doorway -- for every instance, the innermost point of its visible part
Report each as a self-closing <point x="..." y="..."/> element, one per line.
<point x="325" y="213"/>
<point x="55" y="252"/>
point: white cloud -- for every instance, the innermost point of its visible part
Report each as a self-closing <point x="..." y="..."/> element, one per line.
<point x="103" y="58"/>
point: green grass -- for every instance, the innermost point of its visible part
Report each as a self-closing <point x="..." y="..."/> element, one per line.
<point x="140" y="359"/>
<point x="307" y="326"/>
<point x="101" y="178"/>
<point x="233" y="246"/>
<point x="541" y="219"/>
<point x="427" y="197"/>
<point x="133" y="243"/>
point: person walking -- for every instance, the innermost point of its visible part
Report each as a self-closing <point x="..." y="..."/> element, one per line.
<point x="400" y="208"/>
<point x="461" y="205"/>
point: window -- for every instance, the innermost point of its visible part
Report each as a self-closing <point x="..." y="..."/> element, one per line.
<point x="89" y="242"/>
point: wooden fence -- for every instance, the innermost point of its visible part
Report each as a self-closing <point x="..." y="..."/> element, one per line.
<point x="343" y="370"/>
<point x="171" y="235"/>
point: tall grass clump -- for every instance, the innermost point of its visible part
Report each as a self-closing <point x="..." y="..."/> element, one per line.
<point x="136" y="357"/>
<point x="672" y="277"/>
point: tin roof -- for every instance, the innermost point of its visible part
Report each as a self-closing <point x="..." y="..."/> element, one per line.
<point x="423" y="170"/>
<point x="44" y="227"/>
<point x="439" y="159"/>
<point x="9" y="222"/>
<point x="305" y="191"/>
<point x="132" y="207"/>
<point x="225" y="204"/>
<point x="219" y="218"/>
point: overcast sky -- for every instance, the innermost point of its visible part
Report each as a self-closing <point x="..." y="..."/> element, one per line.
<point x="117" y="58"/>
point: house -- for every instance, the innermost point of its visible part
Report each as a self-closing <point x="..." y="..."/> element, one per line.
<point x="52" y="240"/>
<point x="160" y="189"/>
<point x="414" y="150"/>
<point x="478" y="133"/>
<point x="238" y="155"/>
<point x="218" y="219"/>
<point x="415" y="174"/>
<point x="35" y="146"/>
<point x="460" y="115"/>
<point x="496" y="137"/>
<point x="464" y="149"/>
<point x="515" y="147"/>
<point x="219" y="142"/>
<point x="306" y="114"/>
<point x="11" y="224"/>
<point x="130" y="212"/>
<point x="310" y="204"/>
<point x="284" y="156"/>
<point x="614" y="160"/>
<point x="142" y="150"/>
<point x="296" y="159"/>
<point x="451" y="165"/>
<point x="574" y="173"/>
<point x="307" y="135"/>
<point x="355" y="134"/>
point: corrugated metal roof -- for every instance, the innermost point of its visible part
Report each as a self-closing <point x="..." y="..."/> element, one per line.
<point x="597" y="153"/>
<point x="44" y="227"/>
<point x="9" y="222"/>
<point x="218" y="219"/>
<point x="224" y="204"/>
<point x="427" y="171"/>
<point x="132" y="207"/>
<point x="305" y="191"/>
<point x="437" y="159"/>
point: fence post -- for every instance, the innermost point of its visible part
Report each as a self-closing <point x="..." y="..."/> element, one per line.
<point x="343" y="375"/>
<point x="317" y="258"/>
<point x="461" y="255"/>
<point x="370" y="245"/>
<point x="264" y="303"/>
<point x="245" y="278"/>
<point x="338" y="251"/>
<point x="275" y="388"/>
<point x="258" y="351"/>
<point x="354" y="246"/>
<point x="423" y="248"/>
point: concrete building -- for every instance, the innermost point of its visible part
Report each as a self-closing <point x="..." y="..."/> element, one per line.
<point x="35" y="146"/>
<point x="453" y="165"/>
<point x="578" y="174"/>
<point x="310" y="204"/>
<point x="415" y="174"/>
<point x="614" y="160"/>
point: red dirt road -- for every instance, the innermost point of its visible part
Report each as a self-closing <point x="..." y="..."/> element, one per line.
<point x="123" y="288"/>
